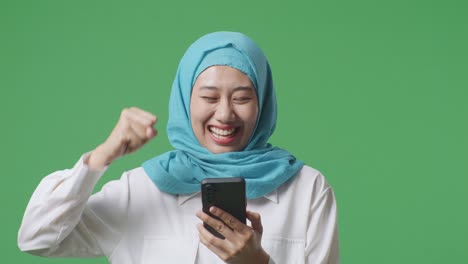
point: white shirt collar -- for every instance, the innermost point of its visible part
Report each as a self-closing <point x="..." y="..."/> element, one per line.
<point x="182" y="198"/>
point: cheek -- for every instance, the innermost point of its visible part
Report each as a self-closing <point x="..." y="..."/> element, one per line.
<point x="199" y="115"/>
<point x="249" y="115"/>
<point x="197" y="124"/>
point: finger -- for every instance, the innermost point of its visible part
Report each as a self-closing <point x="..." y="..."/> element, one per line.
<point x="151" y="132"/>
<point x="132" y="114"/>
<point x="210" y="241"/>
<point x="139" y="118"/>
<point x="256" y="221"/>
<point x="140" y="125"/>
<point x="147" y="115"/>
<point x="139" y="132"/>
<point x="134" y="141"/>
<point x="217" y="225"/>
<point x="144" y="131"/>
<point x="228" y="219"/>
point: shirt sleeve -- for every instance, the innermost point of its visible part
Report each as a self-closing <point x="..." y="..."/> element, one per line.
<point x="322" y="233"/>
<point x="271" y="261"/>
<point x="63" y="219"/>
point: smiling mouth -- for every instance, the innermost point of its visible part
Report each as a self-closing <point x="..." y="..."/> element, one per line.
<point x="223" y="133"/>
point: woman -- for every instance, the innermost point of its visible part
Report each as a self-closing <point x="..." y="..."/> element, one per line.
<point x="222" y="112"/>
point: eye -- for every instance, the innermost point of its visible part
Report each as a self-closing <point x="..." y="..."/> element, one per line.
<point x="209" y="99"/>
<point x="242" y="99"/>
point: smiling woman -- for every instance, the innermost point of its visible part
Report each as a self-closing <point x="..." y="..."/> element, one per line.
<point x="222" y="111"/>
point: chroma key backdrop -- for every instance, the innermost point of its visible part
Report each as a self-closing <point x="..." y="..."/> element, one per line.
<point x="371" y="93"/>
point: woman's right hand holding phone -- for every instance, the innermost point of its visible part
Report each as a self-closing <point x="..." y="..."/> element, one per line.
<point x="134" y="129"/>
<point x="242" y="243"/>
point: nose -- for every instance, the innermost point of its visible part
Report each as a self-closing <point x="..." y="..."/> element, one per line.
<point x="225" y="112"/>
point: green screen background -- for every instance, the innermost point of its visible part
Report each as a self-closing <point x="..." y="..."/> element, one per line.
<point x="372" y="93"/>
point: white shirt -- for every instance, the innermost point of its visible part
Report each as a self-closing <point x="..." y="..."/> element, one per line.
<point x="131" y="221"/>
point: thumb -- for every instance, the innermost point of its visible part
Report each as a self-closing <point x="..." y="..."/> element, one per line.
<point x="151" y="132"/>
<point x="256" y="221"/>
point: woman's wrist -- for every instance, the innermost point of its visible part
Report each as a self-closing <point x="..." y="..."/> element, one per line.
<point x="260" y="257"/>
<point x="264" y="257"/>
<point x="98" y="159"/>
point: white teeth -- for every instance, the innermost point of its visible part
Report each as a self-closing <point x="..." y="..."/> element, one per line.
<point x="221" y="132"/>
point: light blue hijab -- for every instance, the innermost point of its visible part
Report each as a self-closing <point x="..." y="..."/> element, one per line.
<point x="263" y="167"/>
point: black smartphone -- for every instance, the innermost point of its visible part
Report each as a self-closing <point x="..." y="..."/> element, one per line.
<point x="227" y="194"/>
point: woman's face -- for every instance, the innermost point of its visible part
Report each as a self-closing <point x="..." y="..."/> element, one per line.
<point x="223" y="109"/>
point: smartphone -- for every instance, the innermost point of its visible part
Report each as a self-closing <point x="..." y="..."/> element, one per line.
<point x="227" y="194"/>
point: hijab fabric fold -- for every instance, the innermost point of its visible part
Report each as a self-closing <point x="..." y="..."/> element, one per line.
<point x="263" y="166"/>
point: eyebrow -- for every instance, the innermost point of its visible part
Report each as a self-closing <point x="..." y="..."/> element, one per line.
<point x="239" y="88"/>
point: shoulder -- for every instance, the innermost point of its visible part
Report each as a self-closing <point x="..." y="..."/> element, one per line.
<point x="131" y="181"/>
<point x="139" y="180"/>
<point x="137" y="173"/>
<point x="133" y="176"/>
<point x="307" y="185"/>
<point x="142" y="187"/>
<point x="311" y="177"/>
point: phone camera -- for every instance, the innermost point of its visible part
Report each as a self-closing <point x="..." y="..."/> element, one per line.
<point x="210" y="191"/>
